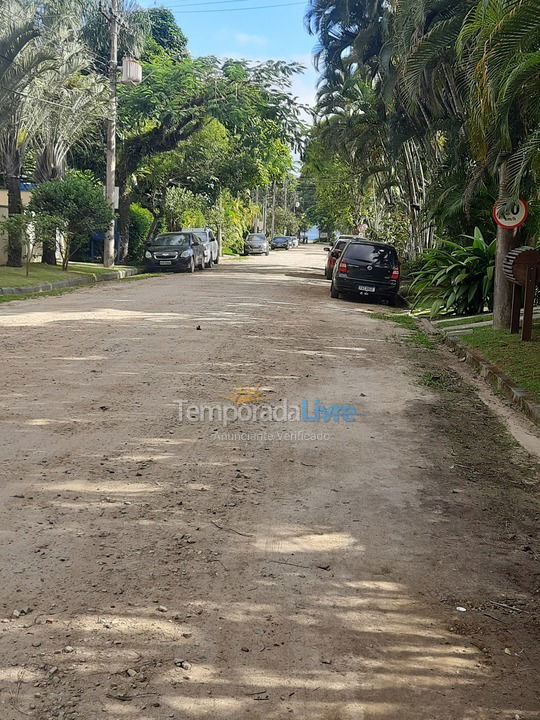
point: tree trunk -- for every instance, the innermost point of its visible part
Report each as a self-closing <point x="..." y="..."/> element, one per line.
<point x="48" y="252"/>
<point x="502" y="296"/>
<point x="124" y="218"/>
<point x="15" y="207"/>
<point x="273" y="208"/>
<point x="220" y="240"/>
<point x="154" y="226"/>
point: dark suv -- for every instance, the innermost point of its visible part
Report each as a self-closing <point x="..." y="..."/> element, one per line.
<point x="368" y="269"/>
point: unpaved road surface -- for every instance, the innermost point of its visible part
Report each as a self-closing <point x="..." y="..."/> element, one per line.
<point x="156" y="569"/>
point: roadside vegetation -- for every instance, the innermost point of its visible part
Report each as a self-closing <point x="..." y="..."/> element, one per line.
<point x="201" y="140"/>
<point x="517" y="359"/>
<point x="425" y="117"/>
<point x="417" y="336"/>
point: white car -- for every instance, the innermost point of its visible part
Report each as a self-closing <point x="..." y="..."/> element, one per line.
<point x="211" y="245"/>
<point x="294" y="241"/>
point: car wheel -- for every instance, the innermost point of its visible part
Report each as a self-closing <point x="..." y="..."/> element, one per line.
<point x="334" y="293"/>
<point x="191" y="268"/>
<point x="216" y="261"/>
<point x="392" y="300"/>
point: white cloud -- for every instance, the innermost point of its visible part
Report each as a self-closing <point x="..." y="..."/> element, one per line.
<point x="246" y="39"/>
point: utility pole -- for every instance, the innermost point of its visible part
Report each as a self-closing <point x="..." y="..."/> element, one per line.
<point x="108" y="245"/>
<point x="265" y="210"/>
<point x="256" y="221"/>
<point x="273" y="208"/>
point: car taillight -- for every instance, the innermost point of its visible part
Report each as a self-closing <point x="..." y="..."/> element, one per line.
<point x="342" y="267"/>
<point x="395" y="273"/>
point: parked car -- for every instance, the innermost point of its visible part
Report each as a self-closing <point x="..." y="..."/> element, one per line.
<point x="294" y="240"/>
<point x="333" y="254"/>
<point x="282" y="241"/>
<point x="367" y="268"/>
<point x="210" y="243"/>
<point x="256" y="244"/>
<point x="175" y="251"/>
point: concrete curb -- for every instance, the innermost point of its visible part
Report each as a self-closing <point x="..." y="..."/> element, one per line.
<point x="491" y="373"/>
<point x="89" y="279"/>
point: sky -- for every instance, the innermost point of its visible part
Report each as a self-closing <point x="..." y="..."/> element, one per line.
<point x="268" y="33"/>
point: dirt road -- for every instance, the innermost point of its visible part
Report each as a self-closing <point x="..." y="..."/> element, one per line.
<point x="387" y="568"/>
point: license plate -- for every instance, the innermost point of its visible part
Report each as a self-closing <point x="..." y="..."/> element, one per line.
<point x="366" y="288"/>
<point x="165" y="262"/>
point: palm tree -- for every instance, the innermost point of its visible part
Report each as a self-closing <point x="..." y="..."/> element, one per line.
<point x="80" y="102"/>
<point x="49" y="115"/>
<point x="499" y="44"/>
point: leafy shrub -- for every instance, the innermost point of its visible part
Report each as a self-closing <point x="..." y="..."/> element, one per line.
<point x="409" y="266"/>
<point x="140" y="221"/>
<point x="457" y="278"/>
<point x="75" y="205"/>
<point x="184" y="208"/>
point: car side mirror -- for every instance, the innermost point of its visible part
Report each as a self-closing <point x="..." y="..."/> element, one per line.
<point x="326" y="249"/>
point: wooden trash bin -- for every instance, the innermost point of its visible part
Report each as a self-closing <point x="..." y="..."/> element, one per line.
<point x="522" y="267"/>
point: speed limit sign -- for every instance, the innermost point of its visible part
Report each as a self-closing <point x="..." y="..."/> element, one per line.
<point x="510" y="215"/>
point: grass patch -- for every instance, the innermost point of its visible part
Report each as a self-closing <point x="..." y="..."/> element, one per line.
<point x="40" y="273"/>
<point x="443" y="380"/>
<point x="417" y="337"/>
<point x="519" y="360"/>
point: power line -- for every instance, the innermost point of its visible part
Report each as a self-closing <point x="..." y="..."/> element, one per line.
<point x="208" y="2"/>
<point x="240" y="9"/>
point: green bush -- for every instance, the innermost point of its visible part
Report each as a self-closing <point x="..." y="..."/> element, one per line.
<point x="140" y="221"/>
<point x="457" y="278"/>
<point x="75" y="206"/>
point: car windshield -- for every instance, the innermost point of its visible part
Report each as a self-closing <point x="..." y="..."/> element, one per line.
<point x="255" y="238"/>
<point x="370" y="253"/>
<point x="340" y="245"/>
<point x="202" y="235"/>
<point x="280" y="237"/>
<point x="176" y="239"/>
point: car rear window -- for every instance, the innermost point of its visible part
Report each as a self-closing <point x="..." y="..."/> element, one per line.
<point x="371" y="253"/>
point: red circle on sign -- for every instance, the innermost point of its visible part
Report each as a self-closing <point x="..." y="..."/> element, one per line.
<point x="519" y="223"/>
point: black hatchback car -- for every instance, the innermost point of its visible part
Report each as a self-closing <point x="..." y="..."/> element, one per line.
<point x="367" y="269"/>
<point x="174" y="251"/>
